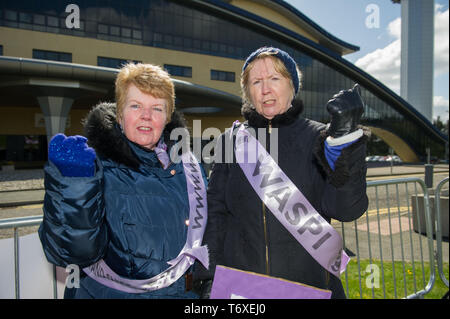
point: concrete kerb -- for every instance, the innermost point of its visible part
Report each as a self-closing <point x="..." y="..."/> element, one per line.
<point x="21" y="197"/>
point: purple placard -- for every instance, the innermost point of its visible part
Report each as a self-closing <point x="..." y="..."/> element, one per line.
<point x="230" y="283"/>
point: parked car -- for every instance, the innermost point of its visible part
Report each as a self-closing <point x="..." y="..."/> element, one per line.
<point x="372" y="158"/>
<point x="396" y="159"/>
<point x="376" y="158"/>
<point x="383" y="158"/>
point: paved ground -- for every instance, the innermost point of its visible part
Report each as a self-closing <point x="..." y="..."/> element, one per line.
<point x="399" y="170"/>
<point x="21" y="179"/>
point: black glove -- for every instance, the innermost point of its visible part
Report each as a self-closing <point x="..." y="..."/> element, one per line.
<point x="345" y="109"/>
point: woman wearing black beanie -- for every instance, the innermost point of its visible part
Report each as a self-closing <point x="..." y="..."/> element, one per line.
<point x="273" y="218"/>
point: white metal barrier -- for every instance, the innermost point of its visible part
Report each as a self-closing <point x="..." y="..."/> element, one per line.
<point x="439" y="226"/>
<point x="396" y="234"/>
<point x="396" y="231"/>
<point x="15" y="224"/>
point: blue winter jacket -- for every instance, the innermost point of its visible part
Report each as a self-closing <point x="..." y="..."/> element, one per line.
<point x="132" y="213"/>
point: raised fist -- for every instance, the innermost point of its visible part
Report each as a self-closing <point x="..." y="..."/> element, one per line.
<point x="72" y="155"/>
<point x="345" y="109"/>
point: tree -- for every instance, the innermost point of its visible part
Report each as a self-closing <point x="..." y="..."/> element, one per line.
<point x="441" y="126"/>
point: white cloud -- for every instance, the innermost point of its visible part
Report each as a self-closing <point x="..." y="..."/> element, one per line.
<point x="441" y="42"/>
<point x="384" y="63"/>
<point x="440" y="108"/>
<point x="395" y="28"/>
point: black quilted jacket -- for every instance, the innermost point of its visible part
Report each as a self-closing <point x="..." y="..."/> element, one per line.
<point x="243" y="233"/>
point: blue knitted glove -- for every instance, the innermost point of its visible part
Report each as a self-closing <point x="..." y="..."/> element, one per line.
<point x="72" y="156"/>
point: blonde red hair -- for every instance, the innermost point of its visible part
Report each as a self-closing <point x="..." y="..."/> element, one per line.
<point x="150" y="79"/>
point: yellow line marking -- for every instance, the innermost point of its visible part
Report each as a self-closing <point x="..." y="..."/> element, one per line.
<point x="32" y="206"/>
<point x="383" y="211"/>
<point x="387" y="176"/>
<point x="392" y="210"/>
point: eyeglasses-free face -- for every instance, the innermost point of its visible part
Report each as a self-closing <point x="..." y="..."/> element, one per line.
<point x="143" y="118"/>
<point x="270" y="92"/>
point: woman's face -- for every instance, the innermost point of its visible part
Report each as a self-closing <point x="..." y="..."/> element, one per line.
<point x="270" y="92"/>
<point x="143" y="117"/>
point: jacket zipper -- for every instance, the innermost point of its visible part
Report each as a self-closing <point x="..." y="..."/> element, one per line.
<point x="265" y="238"/>
<point x="265" y="223"/>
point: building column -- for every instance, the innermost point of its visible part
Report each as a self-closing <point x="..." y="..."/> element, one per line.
<point x="417" y="41"/>
<point x="56" y="110"/>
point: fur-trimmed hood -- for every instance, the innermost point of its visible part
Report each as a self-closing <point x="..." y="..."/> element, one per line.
<point x="105" y="136"/>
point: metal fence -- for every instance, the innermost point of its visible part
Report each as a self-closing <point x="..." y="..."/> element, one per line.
<point x="439" y="228"/>
<point x="393" y="242"/>
<point x="394" y="238"/>
<point x="15" y="224"/>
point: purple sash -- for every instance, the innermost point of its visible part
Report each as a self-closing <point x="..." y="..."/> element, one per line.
<point x="289" y="205"/>
<point x="192" y="249"/>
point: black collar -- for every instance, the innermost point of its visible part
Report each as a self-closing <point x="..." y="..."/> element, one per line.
<point x="257" y="120"/>
<point x="106" y="137"/>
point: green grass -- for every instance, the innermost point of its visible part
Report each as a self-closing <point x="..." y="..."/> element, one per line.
<point x="355" y="281"/>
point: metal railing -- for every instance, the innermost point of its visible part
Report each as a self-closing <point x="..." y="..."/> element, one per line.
<point x="439" y="255"/>
<point x="17" y="223"/>
<point x="389" y="226"/>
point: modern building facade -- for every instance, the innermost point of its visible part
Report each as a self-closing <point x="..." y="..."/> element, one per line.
<point x="53" y="70"/>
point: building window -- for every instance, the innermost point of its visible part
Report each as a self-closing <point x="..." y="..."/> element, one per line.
<point x="102" y="28"/>
<point x="113" y="62"/>
<point x="39" y="19"/>
<point x="126" y="32"/>
<point x="52" y="55"/>
<point x="137" y="34"/>
<point x="177" y="70"/>
<point x="223" y="76"/>
<point x="10" y="15"/>
<point x="1" y="49"/>
<point x="25" y="17"/>
<point x="114" y="30"/>
<point x="52" y="21"/>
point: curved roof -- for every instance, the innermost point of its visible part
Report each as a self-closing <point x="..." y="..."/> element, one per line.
<point x="330" y="57"/>
<point x="71" y="76"/>
<point x="309" y="25"/>
<point x="324" y="37"/>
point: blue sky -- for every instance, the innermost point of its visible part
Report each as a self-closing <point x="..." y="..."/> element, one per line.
<point x="379" y="52"/>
